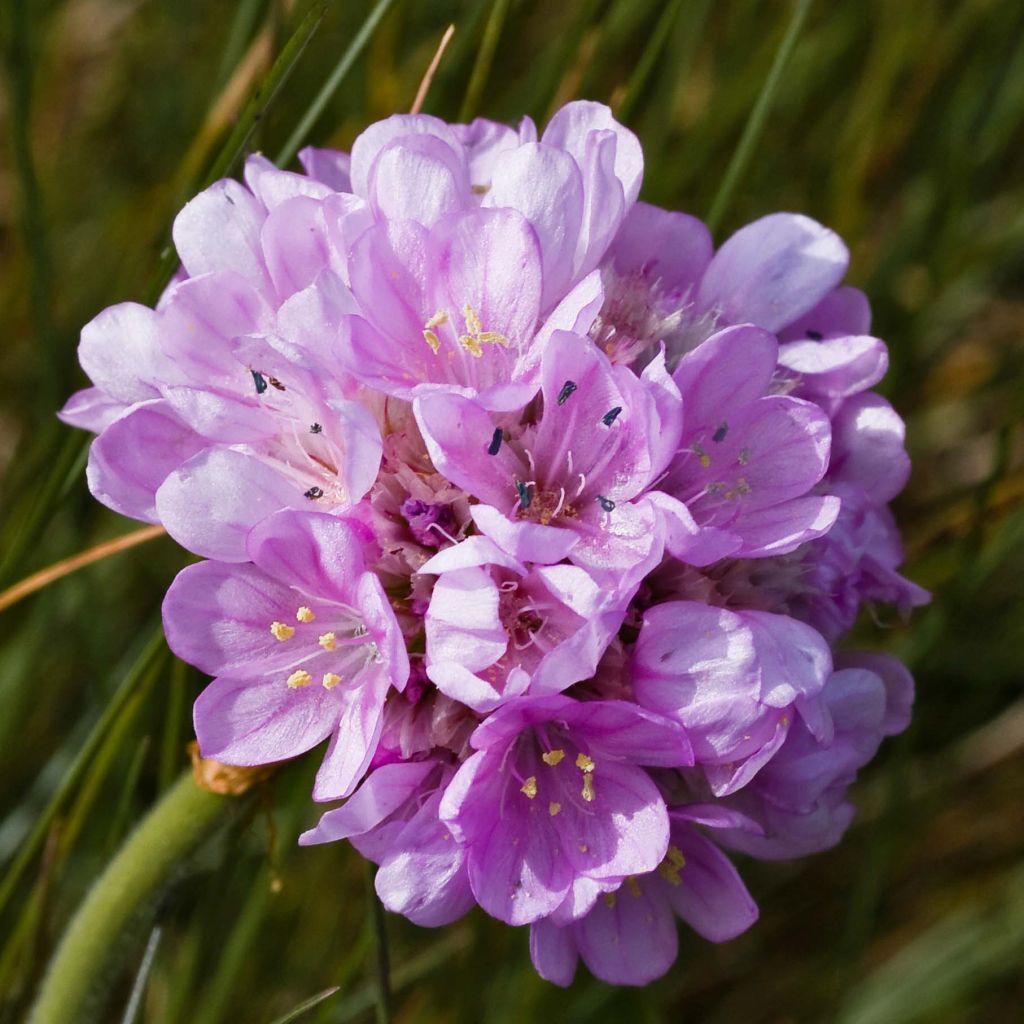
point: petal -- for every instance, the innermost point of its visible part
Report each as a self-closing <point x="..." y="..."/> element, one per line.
<point x="570" y="128"/>
<point x="90" y="409"/>
<point x="419" y="178"/>
<point x="329" y="166"/>
<point x="711" y="897"/>
<point x="462" y="622"/>
<point x="670" y="248"/>
<point x="553" y="952"/>
<point x="120" y="351"/>
<point x="784" y="527"/>
<point x="314" y="552"/>
<point x="133" y="456"/>
<point x="773" y="271"/>
<point x="631" y="733"/>
<point x="294" y="244"/>
<point x="220" y="230"/>
<point x="544" y="184"/>
<point x="273" y="186"/>
<point x="459" y="433"/>
<point x="384" y="792"/>
<point x="524" y="541"/>
<point x="629" y="938"/>
<point x="868" y="447"/>
<point x="249" y="723"/>
<point x="353" y="744"/>
<point x="837" y="367"/>
<point x="369" y="144"/>
<point x="843" y="311"/>
<point x="212" y="501"/>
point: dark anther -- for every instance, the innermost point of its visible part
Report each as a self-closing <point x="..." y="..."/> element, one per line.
<point x="259" y="380"/>
<point x="314" y="493"/>
<point x="525" y="497"/>
<point x="610" y="416"/>
<point x="315" y="428"/>
<point x="275" y="383"/>
<point x="719" y="434"/>
<point x="567" y="389"/>
<point x="606" y="504"/>
<point x="815" y="335"/>
<point x="492" y="448"/>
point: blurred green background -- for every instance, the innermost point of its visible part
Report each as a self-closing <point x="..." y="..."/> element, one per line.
<point x="899" y="124"/>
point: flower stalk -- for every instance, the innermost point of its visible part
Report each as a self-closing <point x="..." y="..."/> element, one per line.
<point x="185" y="817"/>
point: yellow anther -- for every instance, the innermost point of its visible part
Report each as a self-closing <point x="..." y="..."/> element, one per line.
<point x="492" y="338"/>
<point x="609" y="898"/>
<point x="743" y="456"/>
<point x="673" y="863"/>
<point x="529" y="787"/>
<point x="433" y="341"/>
<point x="583" y="847"/>
<point x="675" y="857"/>
<point x="298" y="679"/>
<point x="305" y="614"/>
<point x="471" y="345"/>
<point x="473" y="325"/>
<point x="328" y="641"/>
<point x="705" y="459"/>
<point x="436" y="320"/>
<point x="280" y="631"/>
<point x="553" y="757"/>
<point x="554" y="808"/>
<point x="331" y="680"/>
<point x="584" y="763"/>
<point x="588" y="788"/>
<point x="633" y="886"/>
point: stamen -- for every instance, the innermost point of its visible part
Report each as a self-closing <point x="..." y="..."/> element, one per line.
<point x="433" y="341"/>
<point x="473" y="324"/>
<point x="670" y="867"/>
<point x="495" y="445"/>
<point x="281" y="631"/>
<point x="609" y="898"/>
<point x="298" y="679"/>
<point x="584" y="763"/>
<point x="705" y="459"/>
<point x="633" y="886"/>
<point x="437" y="320"/>
<point x="567" y="389"/>
<point x="305" y="614"/>
<point x="611" y="415"/>
<point x="315" y="428"/>
<point x="313" y="493"/>
<point x="492" y="338"/>
<point x="328" y="641"/>
<point x="529" y="787"/>
<point x="471" y="345"/>
<point x="743" y="456"/>
<point x="607" y="505"/>
<point x="525" y="497"/>
<point x="275" y="383"/>
<point x="260" y="381"/>
<point x="554" y="808"/>
<point x="588" y="788"/>
<point x="331" y="680"/>
<point x="553" y="757"/>
<point x="719" y="434"/>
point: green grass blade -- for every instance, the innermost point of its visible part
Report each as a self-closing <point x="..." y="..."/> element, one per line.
<point x="484" y="58"/>
<point x="758" y="116"/>
<point x="309" y="1004"/>
<point x="328" y="89"/>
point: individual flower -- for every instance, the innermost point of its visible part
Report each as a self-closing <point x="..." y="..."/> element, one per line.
<point x="736" y="680"/>
<point x="496" y="629"/>
<point x="574" y="482"/>
<point x="303" y="645"/>
<point x="748" y="459"/>
<point x="555" y="794"/>
<point x="799" y="799"/>
<point x="629" y="935"/>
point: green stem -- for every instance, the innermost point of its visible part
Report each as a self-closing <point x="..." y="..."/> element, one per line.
<point x="758" y="116"/>
<point x="382" y="961"/>
<point x="150" y="857"/>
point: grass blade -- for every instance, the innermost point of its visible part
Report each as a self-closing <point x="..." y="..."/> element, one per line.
<point x="758" y="116"/>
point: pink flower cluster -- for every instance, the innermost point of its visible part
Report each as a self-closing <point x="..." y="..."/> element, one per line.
<point x="548" y="516"/>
